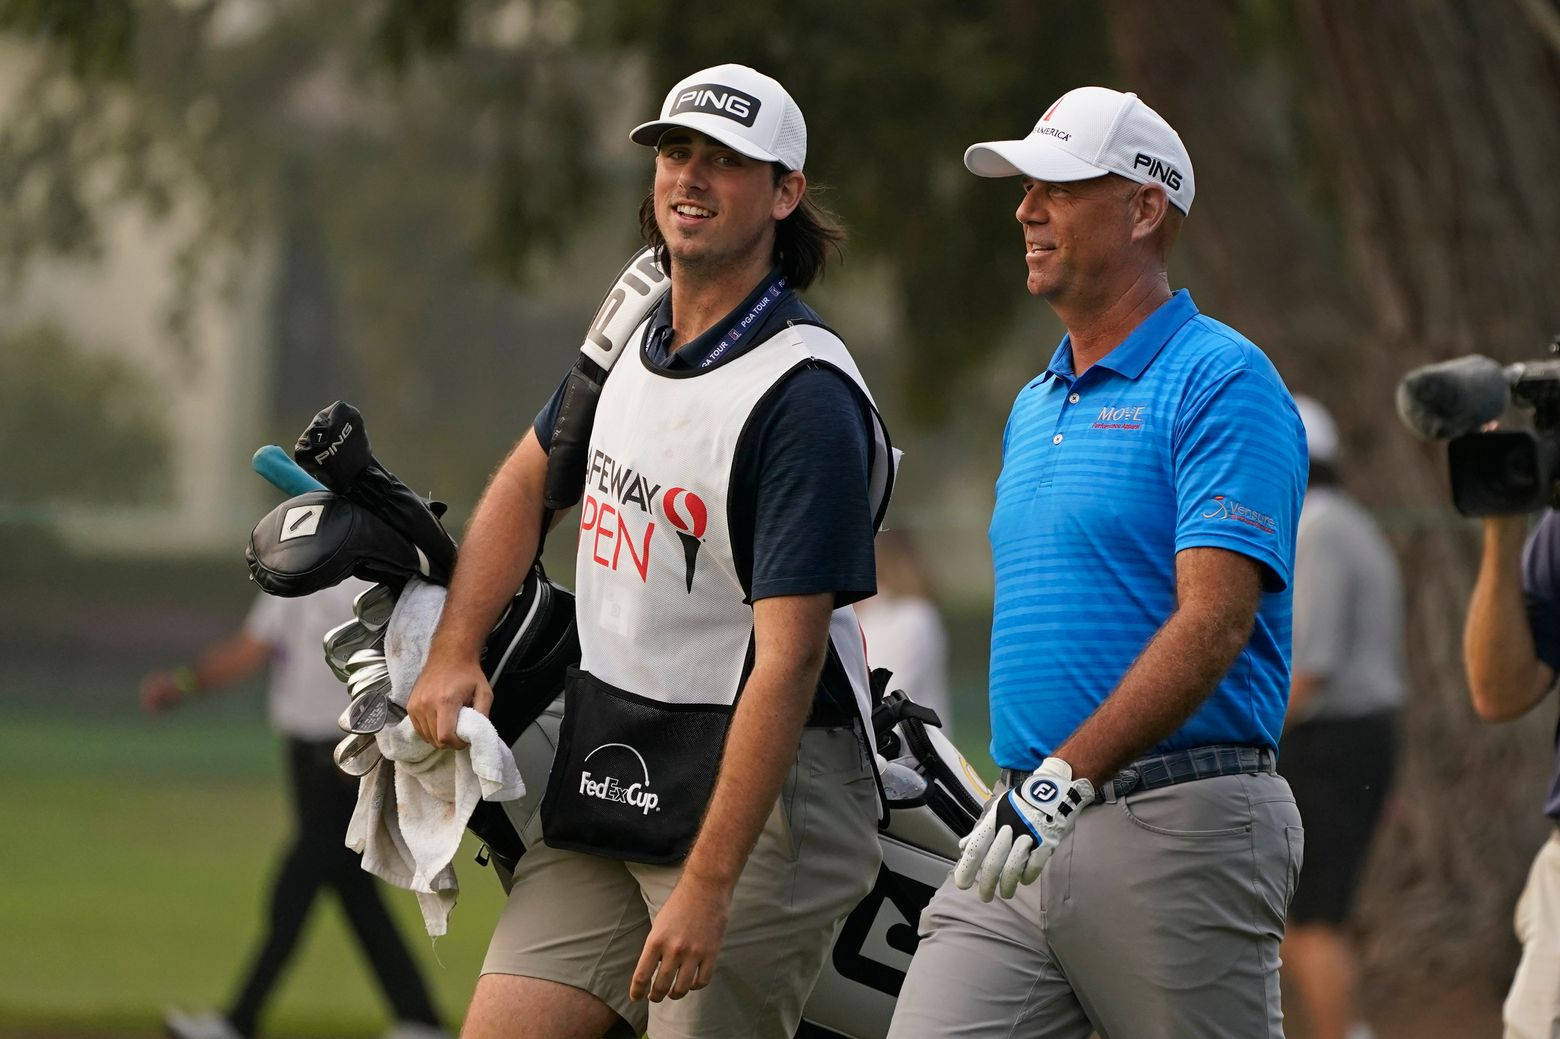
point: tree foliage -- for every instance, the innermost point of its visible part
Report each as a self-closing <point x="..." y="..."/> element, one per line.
<point x="79" y="429"/>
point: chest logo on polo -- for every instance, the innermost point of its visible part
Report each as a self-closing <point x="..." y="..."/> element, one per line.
<point x="1226" y="508"/>
<point x="1126" y="416"/>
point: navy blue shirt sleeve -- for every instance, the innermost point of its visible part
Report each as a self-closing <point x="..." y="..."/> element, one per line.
<point x="1541" y="587"/>
<point x="548" y="416"/>
<point x="799" y="484"/>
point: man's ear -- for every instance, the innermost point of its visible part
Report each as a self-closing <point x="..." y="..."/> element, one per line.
<point x="1149" y="208"/>
<point x="788" y="193"/>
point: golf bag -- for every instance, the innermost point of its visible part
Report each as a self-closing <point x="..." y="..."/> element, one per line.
<point x="932" y="795"/>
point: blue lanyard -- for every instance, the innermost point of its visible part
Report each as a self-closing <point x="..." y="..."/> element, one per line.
<point x="740" y="327"/>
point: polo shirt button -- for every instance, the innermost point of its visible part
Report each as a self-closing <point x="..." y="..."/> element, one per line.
<point x="1072" y="398"/>
<point x="1056" y="439"/>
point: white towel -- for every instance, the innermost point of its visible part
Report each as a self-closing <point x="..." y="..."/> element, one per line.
<point x="412" y="810"/>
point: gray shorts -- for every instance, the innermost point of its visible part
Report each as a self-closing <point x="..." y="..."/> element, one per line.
<point x="582" y="920"/>
<point x="1159" y="917"/>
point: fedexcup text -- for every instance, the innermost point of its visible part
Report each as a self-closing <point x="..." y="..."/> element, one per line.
<point x="609" y="789"/>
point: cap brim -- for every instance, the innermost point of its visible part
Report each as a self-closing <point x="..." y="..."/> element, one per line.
<point x="1030" y="157"/>
<point x="716" y="127"/>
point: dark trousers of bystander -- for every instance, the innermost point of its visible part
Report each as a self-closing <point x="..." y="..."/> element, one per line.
<point x="323" y="800"/>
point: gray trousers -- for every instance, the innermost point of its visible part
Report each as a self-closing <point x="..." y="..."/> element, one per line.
<point x="1159" y="917"/>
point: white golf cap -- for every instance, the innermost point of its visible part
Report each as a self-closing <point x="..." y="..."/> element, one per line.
<point x="1321" y="433"/>
<point x="741" y="108"/>
<point x="1089" y="132"/>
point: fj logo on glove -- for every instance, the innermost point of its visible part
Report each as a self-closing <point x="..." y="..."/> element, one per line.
<point x="1040" y="791"/>
<point x="635" y="794"/>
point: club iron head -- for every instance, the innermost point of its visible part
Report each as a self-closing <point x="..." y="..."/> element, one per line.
<point x="373" y="606"/>
<point x="364" y="657"/>
<point x="368" y="679"/>
<point x="369" y="713"/>
<point x="345" y="641"/>
<point x="357" y="755"/>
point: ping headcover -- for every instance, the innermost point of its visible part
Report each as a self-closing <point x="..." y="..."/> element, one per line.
<point x="335" y="449"/>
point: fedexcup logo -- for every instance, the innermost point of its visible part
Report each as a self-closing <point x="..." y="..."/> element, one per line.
<point x="727" y="102"/>
<point x="636" y="793"/>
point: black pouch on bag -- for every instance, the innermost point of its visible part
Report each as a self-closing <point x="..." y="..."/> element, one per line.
<point x="632" y="776"/>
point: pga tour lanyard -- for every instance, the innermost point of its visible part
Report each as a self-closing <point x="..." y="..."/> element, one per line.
<point x="740" y="327"/>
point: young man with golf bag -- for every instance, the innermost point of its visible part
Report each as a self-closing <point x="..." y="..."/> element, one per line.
<point x="712" y="809"/>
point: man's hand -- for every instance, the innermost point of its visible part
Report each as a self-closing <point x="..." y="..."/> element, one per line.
<point x="441" y="691"/>
<point x="1020" y="830"/>
<point x="680" y="953"/>
<point x="160" y="691"/>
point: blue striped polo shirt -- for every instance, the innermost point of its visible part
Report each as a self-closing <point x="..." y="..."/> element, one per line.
<point x="1183" y="436"/>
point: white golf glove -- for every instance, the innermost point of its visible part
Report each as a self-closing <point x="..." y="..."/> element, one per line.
<point x="1020" y="830"/>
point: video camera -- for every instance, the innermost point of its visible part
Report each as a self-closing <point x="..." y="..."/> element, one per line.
<point x="1503" y="471"/>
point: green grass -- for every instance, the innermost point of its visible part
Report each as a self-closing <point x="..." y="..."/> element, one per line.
<point x="134" y="861"/>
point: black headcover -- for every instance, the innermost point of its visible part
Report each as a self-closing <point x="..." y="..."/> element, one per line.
<point x="335" y="450"/>
<point x="319" y="539"/>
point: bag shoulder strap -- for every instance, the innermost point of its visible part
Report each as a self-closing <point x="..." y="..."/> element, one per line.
<point x="639" y="287"/>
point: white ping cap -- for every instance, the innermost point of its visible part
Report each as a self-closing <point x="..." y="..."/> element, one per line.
<point x="739" y="107"/>
<point x="1089" y="132"/>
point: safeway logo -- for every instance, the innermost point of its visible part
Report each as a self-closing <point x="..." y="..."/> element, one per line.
<point x="687" y="513"/>
<point x="635" y="793"/>
<point x="1224" y="508"/>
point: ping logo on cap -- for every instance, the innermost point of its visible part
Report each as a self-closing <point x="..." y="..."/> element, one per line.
<point x="715" y="99"/>
<point x="1159" y="170"/>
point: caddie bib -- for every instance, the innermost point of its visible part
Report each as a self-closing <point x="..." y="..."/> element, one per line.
<point x="665" y="626"/>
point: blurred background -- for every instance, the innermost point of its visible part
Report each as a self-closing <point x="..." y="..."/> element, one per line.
<point x="217" y="216"/>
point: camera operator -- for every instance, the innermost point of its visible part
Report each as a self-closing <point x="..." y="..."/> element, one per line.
<point x="1511" y="646"/>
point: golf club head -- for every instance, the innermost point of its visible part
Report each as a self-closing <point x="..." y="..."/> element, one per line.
<point x="357" y="755"/>
<point x="368" y="714"/>
<point x="373" y="606"/>
<point x="364" y="657"/>
<point x="345" y="641"/>
<point x="369" y="679"/>
<point x="335" y="447"/>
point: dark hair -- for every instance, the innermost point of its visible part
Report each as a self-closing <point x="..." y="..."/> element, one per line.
<point x="802" y="240"/>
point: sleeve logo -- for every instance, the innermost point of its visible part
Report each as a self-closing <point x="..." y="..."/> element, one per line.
<point x="1226" y="508"/>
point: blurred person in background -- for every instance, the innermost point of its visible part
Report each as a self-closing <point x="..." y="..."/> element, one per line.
<point x="1511" y="649"/>
<point x="304" y="700"/>
<point x="1340" y="732"/>
<point x="1142" y="544"/>
<point x="904" y="631"/>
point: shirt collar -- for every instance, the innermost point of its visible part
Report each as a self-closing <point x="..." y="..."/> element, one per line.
<point x="1132" y="355"/>
<point x="692" y="353"/>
